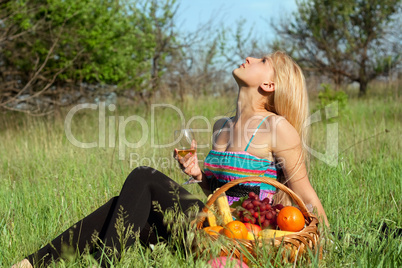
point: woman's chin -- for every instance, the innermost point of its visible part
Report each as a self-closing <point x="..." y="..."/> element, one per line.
<point x="237" y="78"/>
<point x="234" y="73"/>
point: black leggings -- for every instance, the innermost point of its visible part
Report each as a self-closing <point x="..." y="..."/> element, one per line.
<point x="143" y="186"/>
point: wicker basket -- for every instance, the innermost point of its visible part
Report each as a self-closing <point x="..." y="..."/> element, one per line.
<point x="294" y="245"/>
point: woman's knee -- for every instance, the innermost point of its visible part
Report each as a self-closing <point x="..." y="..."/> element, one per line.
<point x="142" y="170"/>
<point x="139" y="172"/>
<point x="141" y="175"/>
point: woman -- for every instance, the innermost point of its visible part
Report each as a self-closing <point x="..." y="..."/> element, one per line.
<point x="272" y="107"/>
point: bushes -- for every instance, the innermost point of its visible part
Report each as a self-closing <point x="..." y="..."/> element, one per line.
<point x="328" y="99"/>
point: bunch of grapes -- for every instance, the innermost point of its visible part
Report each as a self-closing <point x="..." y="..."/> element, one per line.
<point x="259" y="212"/>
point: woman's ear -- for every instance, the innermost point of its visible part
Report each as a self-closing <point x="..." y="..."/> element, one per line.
<point x="268" y="86"/>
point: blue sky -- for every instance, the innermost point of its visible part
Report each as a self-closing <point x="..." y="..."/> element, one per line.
<point x="255" y="12"/>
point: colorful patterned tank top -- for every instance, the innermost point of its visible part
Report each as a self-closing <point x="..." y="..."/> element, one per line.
<point x="222" y="167"/>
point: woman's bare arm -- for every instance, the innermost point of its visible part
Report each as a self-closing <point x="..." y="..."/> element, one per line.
<point x="288" y="151"/>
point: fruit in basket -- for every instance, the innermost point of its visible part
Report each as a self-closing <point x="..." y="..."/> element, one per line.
<point x="252" y="236"/>
<point x="252" y="228"/>
<point x="290" y="219"/>
<point x="223" y="208"/>
<point x="270" y="233"/>
<point x="258" y="212"/>
<point x="235" y="229"/>
<point x="252" y="195"/>
<point x="278" y="206"/>
<point x="213" y="230"/>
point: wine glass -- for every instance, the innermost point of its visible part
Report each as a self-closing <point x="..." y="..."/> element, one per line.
<point x="185" y="137"/>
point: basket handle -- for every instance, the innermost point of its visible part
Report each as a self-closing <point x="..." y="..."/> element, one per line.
<point x="269" y="181"/>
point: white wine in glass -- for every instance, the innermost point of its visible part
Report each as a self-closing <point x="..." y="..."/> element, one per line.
<point x="184" y="152"/>
<point x="184" y="138"/>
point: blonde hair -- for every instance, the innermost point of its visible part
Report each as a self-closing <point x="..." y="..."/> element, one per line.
<point x="289" y="100"/>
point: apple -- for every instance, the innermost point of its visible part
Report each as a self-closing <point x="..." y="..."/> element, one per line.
<point x="253" y="228"/>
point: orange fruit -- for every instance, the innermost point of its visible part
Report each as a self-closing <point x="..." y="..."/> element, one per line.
<point x="213" y="230"/>
<point x="290" y="219"/>
<point x="235" y="229"/>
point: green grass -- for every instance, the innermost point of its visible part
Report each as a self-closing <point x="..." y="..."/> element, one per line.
<point x="47" y="184"/>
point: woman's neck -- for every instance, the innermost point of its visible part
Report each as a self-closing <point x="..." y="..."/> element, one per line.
<point x="249" y="105"/>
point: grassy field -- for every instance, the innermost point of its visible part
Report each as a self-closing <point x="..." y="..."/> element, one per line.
<point x="47" y="183"/>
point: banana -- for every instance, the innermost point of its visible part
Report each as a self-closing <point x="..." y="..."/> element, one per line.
<point x="271" y="233"/>
<point x="223" y="208"/>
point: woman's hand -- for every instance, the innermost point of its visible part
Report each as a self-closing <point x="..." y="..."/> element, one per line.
<point x="189" y="163"/>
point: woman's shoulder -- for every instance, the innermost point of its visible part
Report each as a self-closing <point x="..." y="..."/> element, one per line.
<point x="280" y="123"/>
<point x="286" y="135"/>
<point x="220" y="123"/>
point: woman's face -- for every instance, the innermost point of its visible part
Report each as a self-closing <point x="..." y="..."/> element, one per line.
<point x="254" y="72"/>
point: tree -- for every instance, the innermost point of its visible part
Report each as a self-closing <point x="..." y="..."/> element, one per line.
<point x="51" y="50"/>
<point x="352" y="40"/>
<point x="160" y="16"/>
